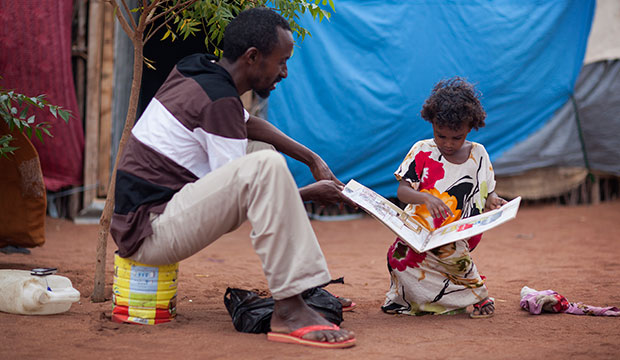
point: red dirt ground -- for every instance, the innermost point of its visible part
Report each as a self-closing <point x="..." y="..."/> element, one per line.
<point x="573" y="250"/>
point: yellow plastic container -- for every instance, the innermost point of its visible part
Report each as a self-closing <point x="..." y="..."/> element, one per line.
<point x="142" y="293"/>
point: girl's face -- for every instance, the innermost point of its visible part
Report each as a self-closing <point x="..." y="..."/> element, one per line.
<point x="449" y="141"/>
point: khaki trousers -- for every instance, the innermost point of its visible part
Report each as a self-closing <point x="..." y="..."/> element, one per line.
<point x="257" y="187"/>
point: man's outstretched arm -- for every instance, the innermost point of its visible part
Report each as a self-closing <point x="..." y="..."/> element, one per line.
<point x="262" y="130"/>
<point x="327" y="189"/>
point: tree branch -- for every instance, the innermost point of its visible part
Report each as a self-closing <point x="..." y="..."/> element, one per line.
<point x="185" y="5"/>
<point x="133" y="22"/>
<point x="121" y="19"/>
<point x="149" y="10"/>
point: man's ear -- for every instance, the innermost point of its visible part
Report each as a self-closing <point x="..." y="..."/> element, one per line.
<point x="251" y="55"/>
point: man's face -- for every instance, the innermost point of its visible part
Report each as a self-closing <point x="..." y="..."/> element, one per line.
<point x="272" y="67"/>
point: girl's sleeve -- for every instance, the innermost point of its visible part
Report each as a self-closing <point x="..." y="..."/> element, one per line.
<point x="407" y="169"/>
<point x="490" y="173"/>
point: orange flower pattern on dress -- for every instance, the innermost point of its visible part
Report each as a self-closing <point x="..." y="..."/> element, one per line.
<point x="423" y="216"/>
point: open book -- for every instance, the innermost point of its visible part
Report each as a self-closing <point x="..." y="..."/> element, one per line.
<point x="416" y="235"/>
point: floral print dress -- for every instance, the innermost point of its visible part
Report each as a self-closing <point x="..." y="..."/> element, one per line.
<point x="445" y="279"/>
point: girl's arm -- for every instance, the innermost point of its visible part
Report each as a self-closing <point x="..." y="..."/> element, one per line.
<point x="435" y="206"/>
<point x="493" y="202"/>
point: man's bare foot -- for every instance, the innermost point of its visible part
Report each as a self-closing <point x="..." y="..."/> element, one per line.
<point x="347" y="304"/>
<point x="292" y="313"/>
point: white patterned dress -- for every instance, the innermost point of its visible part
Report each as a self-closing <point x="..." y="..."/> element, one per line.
<point x="445" y="279"/>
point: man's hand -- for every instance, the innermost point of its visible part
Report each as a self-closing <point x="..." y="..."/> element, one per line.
<point x="321" y="171"/>
<point x="494" y="202"/>
<point x="325" y="192"/>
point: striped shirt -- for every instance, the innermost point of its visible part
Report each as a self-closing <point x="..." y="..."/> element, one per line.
<point x="195" y="124"/>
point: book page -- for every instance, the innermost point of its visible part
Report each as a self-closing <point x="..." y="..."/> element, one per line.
<point x="474" y="225"/>
<point x="389" y="214"/>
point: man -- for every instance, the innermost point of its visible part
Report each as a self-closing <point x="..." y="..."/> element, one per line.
<point x="184" y="178"/>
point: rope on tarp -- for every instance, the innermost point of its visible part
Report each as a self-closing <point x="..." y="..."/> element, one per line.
<point x="581" y="138"/>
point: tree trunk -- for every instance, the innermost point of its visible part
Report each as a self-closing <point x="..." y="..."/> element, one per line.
<point x="106" y="216"/>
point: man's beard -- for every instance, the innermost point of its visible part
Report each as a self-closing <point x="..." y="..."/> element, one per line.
<point x="264" y="93"/>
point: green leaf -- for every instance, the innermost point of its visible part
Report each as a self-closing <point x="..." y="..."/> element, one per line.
<point x="65" y="115"/>
<point x="5" y="139"/>
<point x="37" y="132"/>
<point x="7" y="149"/>
<point x="314" y="12"/>
<point x="166" y="35"/>
<point x="47" y="132"/>
<point x="53" y="110"/>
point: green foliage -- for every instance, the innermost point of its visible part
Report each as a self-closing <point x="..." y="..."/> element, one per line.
<point x="16" y="109"/>
<point x="211" y="17"/>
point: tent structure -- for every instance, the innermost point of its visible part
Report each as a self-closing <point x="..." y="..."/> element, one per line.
<point x="577" y="146"/>
<point x="356" y="87"/>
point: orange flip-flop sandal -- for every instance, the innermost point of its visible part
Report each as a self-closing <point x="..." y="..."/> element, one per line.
<point x="295" y="337"/>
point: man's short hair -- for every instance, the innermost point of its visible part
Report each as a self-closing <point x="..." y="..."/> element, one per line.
<point x="255" y="27"/>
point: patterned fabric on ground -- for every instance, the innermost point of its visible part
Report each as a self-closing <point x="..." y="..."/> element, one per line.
<point x="443" y="280"/>
<point x="537" y="302"/>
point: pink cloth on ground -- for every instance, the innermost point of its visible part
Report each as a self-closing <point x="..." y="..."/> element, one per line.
<point x="531" y="303"/>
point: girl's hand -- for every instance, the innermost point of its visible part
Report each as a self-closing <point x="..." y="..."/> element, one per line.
<point x="494" y="202"/>
<point x="436" y="207"/>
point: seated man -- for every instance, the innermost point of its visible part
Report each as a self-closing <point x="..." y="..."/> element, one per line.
<point x="184" y="178"/>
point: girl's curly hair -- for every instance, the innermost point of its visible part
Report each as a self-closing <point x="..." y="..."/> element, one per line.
<point x="453" y="103"/>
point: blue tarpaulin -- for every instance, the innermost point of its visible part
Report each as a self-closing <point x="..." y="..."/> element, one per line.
<point x="356" y="87"/>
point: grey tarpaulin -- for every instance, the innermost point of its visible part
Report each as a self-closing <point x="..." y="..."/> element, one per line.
<point x="597" y="96"/>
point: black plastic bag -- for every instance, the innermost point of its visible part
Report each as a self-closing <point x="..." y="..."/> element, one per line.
<point x="251" y="313"/>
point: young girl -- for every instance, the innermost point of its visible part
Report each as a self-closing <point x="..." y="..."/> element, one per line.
<point x="443" y="179"/>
